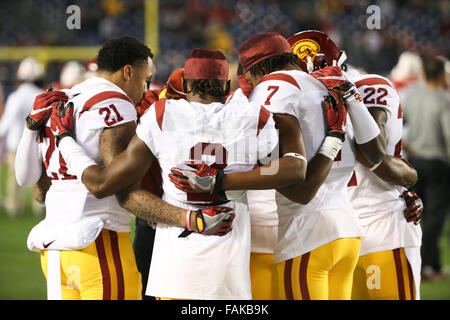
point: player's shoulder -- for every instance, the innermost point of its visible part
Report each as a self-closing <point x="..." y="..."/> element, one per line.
<point x="378" y="91"/>
<point x="242" y="107"/>
<point x="95" y="92"/>
<point x="372" y="80"/>
<point x="284" y="79"/>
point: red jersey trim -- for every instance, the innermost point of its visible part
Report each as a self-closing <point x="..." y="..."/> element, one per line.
<point x="372" y="82"/>
<point x="102" y="96"/>
<point x="353" y="182"/>
<point x="264" y="116"/>
<point x="160" y="106"/>
<point x="281" y="77"/>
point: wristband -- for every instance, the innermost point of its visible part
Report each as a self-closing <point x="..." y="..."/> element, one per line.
<point x="59" y="137"/>
<point x="188" y="220"/>
<point x="350" y="94"/>
<point x="375" y="166"/>
<point x="295" y="155"/>
<point x="330" y="147"/>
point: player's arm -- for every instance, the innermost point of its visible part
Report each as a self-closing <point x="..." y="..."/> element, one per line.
<point x="41" y="187"/>
<point x="392" y="169"/>
<point x="280" y="172"/>
<point x="28" y="161"/>
<point x="375" y="149"/>
<point x="365" y="128"/>
<point x="290" y="168"/>
<point x="124" y="166"/>
<point x="320" y="165"/>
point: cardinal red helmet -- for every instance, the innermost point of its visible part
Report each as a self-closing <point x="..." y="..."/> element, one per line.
<point x="316" y="50"/>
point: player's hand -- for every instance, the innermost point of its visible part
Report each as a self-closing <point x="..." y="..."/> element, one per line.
<point x="331" y="76"/>
<point x="42" y="108"/>
<point x="338" y="85"/>
<point x="61" y="121"/>
<point x="414" y="207"/>
<point x="215" y="221"/>
<point x="202" y="179"/>
<point x="336" y="116"/>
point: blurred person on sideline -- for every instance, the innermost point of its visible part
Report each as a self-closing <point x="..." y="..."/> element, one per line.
<point x="427" y="112"/>
<point x="71" y="74"/>
<point x="29" y="76"/>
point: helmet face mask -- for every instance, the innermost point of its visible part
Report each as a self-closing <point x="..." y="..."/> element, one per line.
<point x="315" y="50"/>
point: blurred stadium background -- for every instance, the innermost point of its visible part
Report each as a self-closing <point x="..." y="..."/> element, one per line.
<point x="172" y="28"/>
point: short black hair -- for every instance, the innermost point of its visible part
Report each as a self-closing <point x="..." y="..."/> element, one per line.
<point x="433" y="67"/>
<point x="211" y="87"/>
<point x="274" y="63"/>
<point x="119" y="52"/>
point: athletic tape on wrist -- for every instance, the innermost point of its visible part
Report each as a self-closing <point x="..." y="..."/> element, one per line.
<point x="330" y="147"/>
<point x="295" y="155"/>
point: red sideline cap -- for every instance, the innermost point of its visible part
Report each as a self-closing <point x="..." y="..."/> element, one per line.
<point x="206" y="64"/>
<point x="260" y="47"/>
<point x="175" y="85"/>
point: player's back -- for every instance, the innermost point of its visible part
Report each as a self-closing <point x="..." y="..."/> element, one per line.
<point x="232" y="137"/>
<point x="373" y="194"/>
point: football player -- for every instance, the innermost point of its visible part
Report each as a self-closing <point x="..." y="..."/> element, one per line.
<point x="318" y="232"/>
<point x="85" y="245"/>
<point x="389" y="263"/>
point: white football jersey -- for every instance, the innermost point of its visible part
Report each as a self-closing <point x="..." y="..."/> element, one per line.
<point x="376" y="201"/>
<point x="232" y="137"/>
<point x="98" y="104"/>
<point x="328" y="216"/>
<point x="261" y="205"/>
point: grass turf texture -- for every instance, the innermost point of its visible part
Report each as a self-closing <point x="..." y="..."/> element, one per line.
<point x="21" y="277"/>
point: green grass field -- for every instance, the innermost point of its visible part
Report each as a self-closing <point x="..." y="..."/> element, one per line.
<point x="21" y="277"/>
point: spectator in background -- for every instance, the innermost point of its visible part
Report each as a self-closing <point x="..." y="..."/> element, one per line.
<point x="30" y="76"/>
<point x="72" y="73"/>
<point x="427" y="112"/>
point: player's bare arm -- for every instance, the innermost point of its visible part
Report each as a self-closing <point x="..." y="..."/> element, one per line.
<point x="290" y="169"/>
<point x="145" y="205"/>
<point x="392" y="169"/>
<point x="375" y="149"/>
<point x="123" y="169"/>
<point x="41" y="187"/>
<point x="115" y="140"/>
